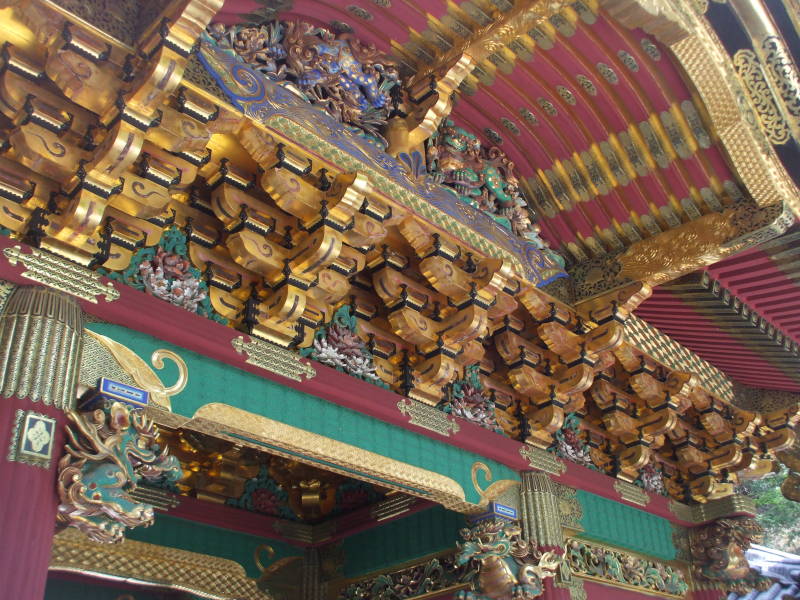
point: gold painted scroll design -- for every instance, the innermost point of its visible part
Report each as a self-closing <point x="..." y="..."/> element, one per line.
<point x="770" y="116"/>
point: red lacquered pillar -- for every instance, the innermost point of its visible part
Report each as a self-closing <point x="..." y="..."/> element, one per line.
<point x="552" y="592"/>
<point x="40" y="336"/>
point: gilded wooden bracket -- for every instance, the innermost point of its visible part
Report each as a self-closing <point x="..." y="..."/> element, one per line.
<point x="714" y="509"/>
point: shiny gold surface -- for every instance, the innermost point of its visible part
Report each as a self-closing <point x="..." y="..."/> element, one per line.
<point x="148" y="564"/>
<point x="253" y="431"/>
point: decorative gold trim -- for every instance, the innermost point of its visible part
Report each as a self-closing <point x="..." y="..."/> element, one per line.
<point x="428" y="417"/>
<point x="708" y="67"/>
<point x="272" y="358"/>
<point x="540" y="509"/>
<point x="631" y="493"/>
<point x="40" y="346"/>
<point x="138" y="562"/>
<point x="495" y="489"/>
<point x="713" y="509"/>
<point x="61" y="274"/>
<point x="391" y="507"/>
<point x="6" y="287"/>
<point x="256" y="431"/>
<point x="761" y="96"/>
<point x="569" y="507"/>
<point x="542" y="460"/>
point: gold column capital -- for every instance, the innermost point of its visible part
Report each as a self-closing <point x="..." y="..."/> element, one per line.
<point x="40" y="346"/>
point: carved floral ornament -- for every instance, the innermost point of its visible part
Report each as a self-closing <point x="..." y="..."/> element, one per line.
<point x="592" y="561"/>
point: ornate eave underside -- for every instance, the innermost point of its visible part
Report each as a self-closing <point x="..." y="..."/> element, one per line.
<point x="740" y="314"/>
<point x="624" y="118"/>
<point x="154" y="566"/>
<point x="187" y="160"/>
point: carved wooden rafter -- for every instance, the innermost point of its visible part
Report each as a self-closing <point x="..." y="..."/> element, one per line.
<point x="283" y="238"/>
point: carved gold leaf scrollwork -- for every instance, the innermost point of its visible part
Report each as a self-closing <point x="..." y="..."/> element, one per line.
<point x="783" y="72"/>
<point x="98" y="346"/>
<point x="61" y="274"/>
<point x="495" y="489"/>
<point x="754" y="79"/>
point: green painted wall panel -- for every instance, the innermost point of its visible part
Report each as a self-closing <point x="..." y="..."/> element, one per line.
<point x="206" y="539"/>
<point x="212" y="381"/>
<point x="397" y="542"/>
<point x="621" y="525"/>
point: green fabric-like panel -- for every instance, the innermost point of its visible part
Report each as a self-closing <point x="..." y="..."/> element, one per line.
<point x="212" y="381"/>
<point x="206" y="539"/>
<point x="397" y="542"/>
<point x="59" y="589"/>
<point x="621" y="525"/>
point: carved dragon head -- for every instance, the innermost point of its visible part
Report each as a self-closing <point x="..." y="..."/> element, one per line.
<point x="488" y="538"/>
<point x="718" y="553"/>
<point x="110" y="448"/>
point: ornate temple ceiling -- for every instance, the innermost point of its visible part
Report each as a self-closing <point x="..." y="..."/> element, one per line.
<point x="222" y="472"/>
<point x="741" y="314"/>
<point x="611" y="143"/>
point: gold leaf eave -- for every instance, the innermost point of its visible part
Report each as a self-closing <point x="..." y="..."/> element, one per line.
<point x="138" y="562"/>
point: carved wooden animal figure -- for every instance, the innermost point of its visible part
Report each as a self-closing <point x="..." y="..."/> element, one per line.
<point x="508" y="566"/>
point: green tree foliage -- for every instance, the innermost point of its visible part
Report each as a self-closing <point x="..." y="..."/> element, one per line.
<point x="779" y="517"/>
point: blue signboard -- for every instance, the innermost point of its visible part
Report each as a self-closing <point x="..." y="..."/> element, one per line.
<point x="124" y="392"/>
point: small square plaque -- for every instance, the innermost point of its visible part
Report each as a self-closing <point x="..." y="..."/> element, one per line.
<point x="32" y="439"/>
